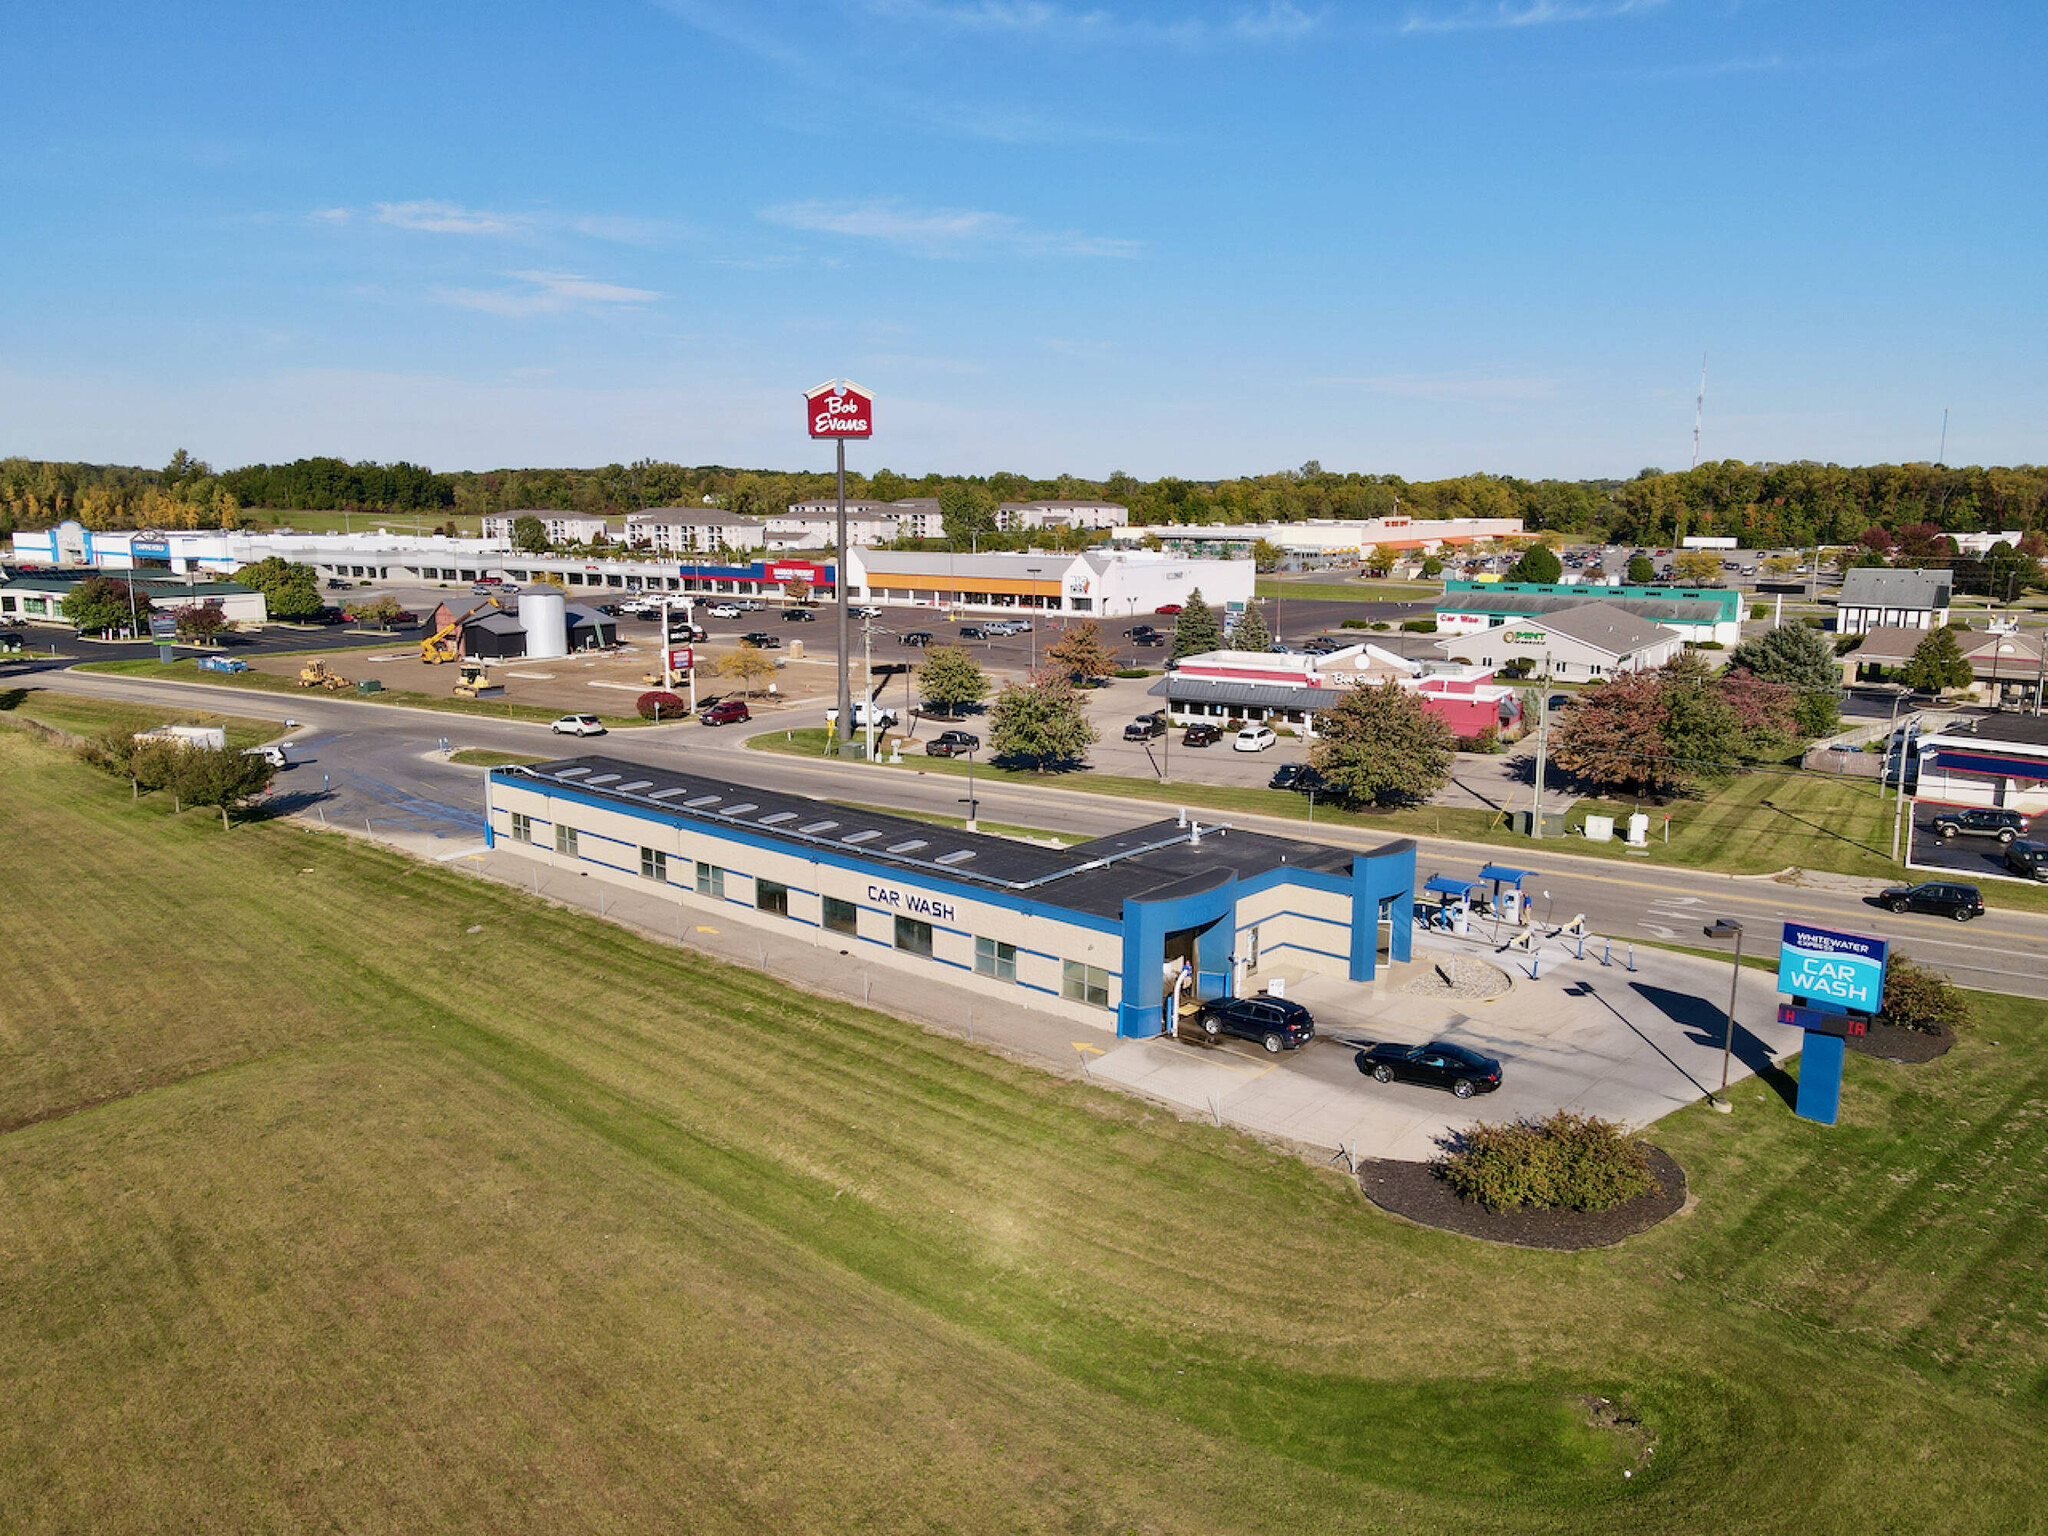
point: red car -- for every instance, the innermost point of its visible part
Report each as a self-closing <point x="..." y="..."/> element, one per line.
<point x="1167" y="608"/>
<point x="725" y="712"/>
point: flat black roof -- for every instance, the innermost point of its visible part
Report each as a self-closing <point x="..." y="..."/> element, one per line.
<point x="1156" y="861"/>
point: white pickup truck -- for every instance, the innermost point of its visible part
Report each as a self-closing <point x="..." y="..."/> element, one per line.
<point x="883" y="716"/>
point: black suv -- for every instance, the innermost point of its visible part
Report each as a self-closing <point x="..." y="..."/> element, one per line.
<point x="1276" y="1023"/>
<point x="1202" y="735"/>
<point x="2026" y="858"/>
<point x="2003" y="825"/>
<point x="1941" y="897"/>
<point x="951" y="744"/>
<point x="798" y="616"/>
<point x="761" y="640"/>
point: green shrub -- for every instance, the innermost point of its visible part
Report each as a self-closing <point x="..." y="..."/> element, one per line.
<point x="1419" y="626"/>
<point x="1131" y="672"/>
<point x="1813" y="621"/>
<point x="1917" y="998"/>
<point x="1377" y="625"/>
<point x="1568" y="1162"/>
<point x="1487" y="741"/>
<point x="1705" y="645"/>
<point x="1758" y="611"/>
<point x="1356" y="624"/>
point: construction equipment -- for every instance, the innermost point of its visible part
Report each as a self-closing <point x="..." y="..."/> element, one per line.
<point x="315" y="674"/>
<point x="473" y="681"/>
<point x="445" y="644"/>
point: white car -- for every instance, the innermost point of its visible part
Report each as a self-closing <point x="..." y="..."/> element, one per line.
<point x="1253" y="738"/>
<point x="883" y="717"/>
<point x="867" y="611"/>
<point x="578" y="725"/>
<point x="723" y="611"/>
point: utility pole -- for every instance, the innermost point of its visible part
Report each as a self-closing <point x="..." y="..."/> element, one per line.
<point x="867" y="662"/>
<point x="1699" y="411"/>
<point x="1542" y="746"/>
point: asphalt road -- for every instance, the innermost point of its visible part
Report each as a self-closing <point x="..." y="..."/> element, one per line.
<point x="381" y="763"/>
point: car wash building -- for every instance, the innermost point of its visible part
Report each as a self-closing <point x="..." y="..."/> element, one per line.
<point x="1091" y="932"/>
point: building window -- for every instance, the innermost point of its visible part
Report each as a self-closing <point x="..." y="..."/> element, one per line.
<point x="994" y="958"/>
<point x="522" y="827"/>
<point x="771" y="897"/>
<point x="914" y="937"/>
<point x="710" y="880"/>
<point x="1084" y="983"/>
<point x="654" y="865"/>
<point x="842" y="917"/>
<point x="565" y="840"/>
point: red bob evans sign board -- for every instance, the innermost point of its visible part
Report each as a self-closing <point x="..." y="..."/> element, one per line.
<point x="840" y="409"/>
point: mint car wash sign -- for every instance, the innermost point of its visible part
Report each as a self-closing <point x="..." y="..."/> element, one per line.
<point x="1821" y="965"/>
<point x="1836" y="983"/>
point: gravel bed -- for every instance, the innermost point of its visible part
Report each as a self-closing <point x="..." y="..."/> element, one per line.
<point x="1458" y="976"/>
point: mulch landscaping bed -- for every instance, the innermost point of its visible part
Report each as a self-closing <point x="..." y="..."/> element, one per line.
<point x="1896" y="1044"/>
<point x="1415" y="1190"/>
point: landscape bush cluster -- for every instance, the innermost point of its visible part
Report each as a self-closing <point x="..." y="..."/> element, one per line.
<point x="1920" y="999"/>
<point x="659" y="704"/>
<point x="190" y="775"/>
<point x="1565" y="1163"/>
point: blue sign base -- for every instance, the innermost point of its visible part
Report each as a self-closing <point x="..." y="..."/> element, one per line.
<point x="1820" y="1077"/>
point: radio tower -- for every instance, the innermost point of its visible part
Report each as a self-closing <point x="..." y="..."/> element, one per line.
<point x="1699" y="409"/>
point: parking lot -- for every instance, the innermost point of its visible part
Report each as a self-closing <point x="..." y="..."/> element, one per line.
<point x="1964" y="858"/>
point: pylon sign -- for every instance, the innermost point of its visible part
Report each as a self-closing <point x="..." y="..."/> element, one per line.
<point x="839" y="408"/>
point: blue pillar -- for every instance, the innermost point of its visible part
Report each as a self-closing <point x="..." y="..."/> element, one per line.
<point x="1146" y="925"/>
<point x="1386" y="875"/>
<point x="1820" y="1077"/>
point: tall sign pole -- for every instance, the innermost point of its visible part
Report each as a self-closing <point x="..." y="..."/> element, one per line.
<point x="839" y="409"/>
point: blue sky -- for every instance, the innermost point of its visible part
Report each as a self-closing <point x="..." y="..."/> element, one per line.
<point x="1203" y="238"/>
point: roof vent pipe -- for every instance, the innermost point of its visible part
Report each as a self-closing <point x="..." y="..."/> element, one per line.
<point x="1182" y="819"/>
<point x="1195" y="835"/>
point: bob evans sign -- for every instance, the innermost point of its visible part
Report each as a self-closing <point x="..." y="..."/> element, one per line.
<point x="1842" y="968"/>
<point x="912" y="904"/>
<point x="839" y="409"/>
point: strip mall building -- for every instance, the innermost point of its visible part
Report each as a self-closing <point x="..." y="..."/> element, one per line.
<point x="1089" y="932"/>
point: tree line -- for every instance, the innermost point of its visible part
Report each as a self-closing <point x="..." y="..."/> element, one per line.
<point x="1762" y="505"/>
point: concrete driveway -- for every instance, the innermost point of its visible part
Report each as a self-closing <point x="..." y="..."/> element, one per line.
<point x="1630" y="1046"/>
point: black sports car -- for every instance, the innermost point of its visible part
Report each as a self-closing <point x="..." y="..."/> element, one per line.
<point x="1438" y="1064"/>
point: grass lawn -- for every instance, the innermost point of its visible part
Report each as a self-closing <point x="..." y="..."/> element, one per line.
<point x="271" y="682"/>
<point x="71" y="715"/>
<point x="384" y="1198"/>
<point x="1350" y="591"/>
<point x="484" y="757"/>
<point x="269" y="519"/>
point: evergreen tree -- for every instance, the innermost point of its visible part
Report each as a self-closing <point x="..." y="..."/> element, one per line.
<point x="1195" y="630"/>
<point x="1381" y="744"/>
<point x="1937" y="663"/>
<point x="1251" y="633"/>
<point x="1539" y="564"/>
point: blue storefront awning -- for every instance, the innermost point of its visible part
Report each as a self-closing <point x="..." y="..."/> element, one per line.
<point x="1992" y="765"/>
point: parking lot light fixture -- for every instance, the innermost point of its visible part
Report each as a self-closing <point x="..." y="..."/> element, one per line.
<point x="1727" y="928"/>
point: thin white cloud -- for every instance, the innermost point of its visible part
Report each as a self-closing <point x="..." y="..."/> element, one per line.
<point x="545" y="293"/>
<point x="329" y="215"/>
<point x="1276" y="20"/>
<point x="1508" y="15"/>
<point x="440" y="218"/>
<point x="942" y="232"/>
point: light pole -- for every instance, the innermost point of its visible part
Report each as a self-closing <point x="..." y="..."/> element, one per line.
<point x="1727" y="928"/>
<point x="973" y="805"/>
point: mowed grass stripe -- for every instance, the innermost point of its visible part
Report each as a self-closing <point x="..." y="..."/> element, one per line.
<point x="1193" y="1332"/>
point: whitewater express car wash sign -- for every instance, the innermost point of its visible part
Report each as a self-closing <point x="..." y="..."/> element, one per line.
<point x="1821" y="965"/>
<point x="840" y="408"/>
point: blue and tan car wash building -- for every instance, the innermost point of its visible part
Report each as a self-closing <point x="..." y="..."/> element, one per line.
<point x="1089" y="932"/>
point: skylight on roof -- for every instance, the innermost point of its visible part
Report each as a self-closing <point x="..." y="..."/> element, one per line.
<point x="910" y="846"/>
<point x="738" y="810"/>
<point x="957" y="856"/>
<point x="861" y="837"/>
<point x="702" y="801"/>
<point x="663" y="794"/>
<point x="778" y="818"/>
<point x="626" y="789"/>
<point x="813" y="828"/>
<point x="570" y="773"/>
<point x="602" y="778"/>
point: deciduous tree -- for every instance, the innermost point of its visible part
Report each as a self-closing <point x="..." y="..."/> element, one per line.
<point x="529" y="534"/>
<point x="1642" y="570"/>
<point x="950" y="679"/>
<point x="200" y="621"/>
<point x="290" y="592"/>
<point x="1538" y="563"/>
<point x="1041" y="721"/>
<point x="1697" y="567"/>
<point x="227" y="779"/>
<point x="750" y="666"/>
<point x="104" y="604"/>
<point x="1080" y="655"/>
<point x="1380" y="745"/>
<point x="660" y="704"/>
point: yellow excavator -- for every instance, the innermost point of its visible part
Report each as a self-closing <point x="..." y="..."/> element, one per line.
<point x="315" y="674"/>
